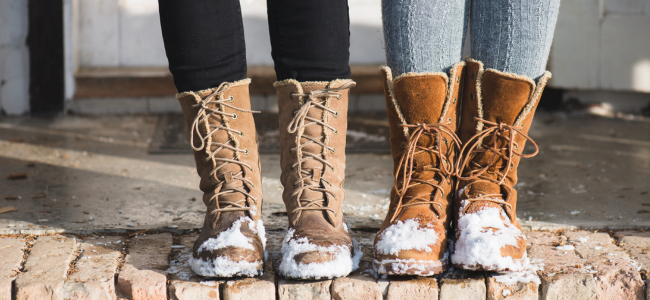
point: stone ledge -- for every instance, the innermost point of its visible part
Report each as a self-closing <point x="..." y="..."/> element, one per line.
<point x="585" y="266"/>
<point x="158" y="82"/>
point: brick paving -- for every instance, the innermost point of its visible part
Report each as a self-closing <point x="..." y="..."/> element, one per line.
<point x="565" y="265"/>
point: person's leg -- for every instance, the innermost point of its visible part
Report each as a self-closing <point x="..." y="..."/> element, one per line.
<point x="513" y="36"/>
<point x="424" y="41"/>
<point x="424" y="35"/>
<point x="503" y="84"/>
<point x="310" y="40"/>
<point x="204" y="42"/>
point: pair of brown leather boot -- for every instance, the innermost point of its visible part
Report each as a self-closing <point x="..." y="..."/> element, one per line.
<point x="456" y="142"/>
<point x="313" y="123"/>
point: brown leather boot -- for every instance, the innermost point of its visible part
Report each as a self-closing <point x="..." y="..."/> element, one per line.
<point x="497" y="111"/>
<point x="222" y="134"/>
<point x="313" y="125"/>
<point x="422" y="116"/>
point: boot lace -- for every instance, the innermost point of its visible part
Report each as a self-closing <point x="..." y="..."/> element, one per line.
<point x="490" y="171"/>
<point x="315" y="99"/>
<point x="218" y="114"/>
<point x="405" y="168"/>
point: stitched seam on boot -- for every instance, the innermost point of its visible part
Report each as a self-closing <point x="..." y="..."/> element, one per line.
<point x="479" y="99"/>
<point x="391" y="92"/>
<point x="534" y="98"/>
<point x="450" y="90"/>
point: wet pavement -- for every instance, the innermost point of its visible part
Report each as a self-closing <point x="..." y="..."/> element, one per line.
<point x="82" y="174"/>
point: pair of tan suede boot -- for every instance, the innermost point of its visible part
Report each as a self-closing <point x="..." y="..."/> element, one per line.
<point x="427" y="133"/>
<point x="313" y="123"/>
<point x="456" y="141"/>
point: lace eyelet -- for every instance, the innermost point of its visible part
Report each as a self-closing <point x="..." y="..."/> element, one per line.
<point x="332" y="150"/>
<point x="442" y="193"/>
<point x="234" y="116"/>
<point x="471" y="96"/>
<point x="293" y="167"/>
<point x="402" y="144"/>
<point x="250" y="168"/>
<point x="512" y="166"/>
<point x="332" y="168"/>
<point x="295" y="112"/>
<point x="339" y="97"/>
<point x="516" y="147"/>
<point x="454" y="101"/>
<point x="473" y="75"/>
<point x="336" y="114"/>
<point x="232" y="99"/>
<point x="448" y="119"/>
<point x="246" y="151"/>
<point x="336" y="132"/>
<point x="458" y="79"/>
<point x="241" y="133"/>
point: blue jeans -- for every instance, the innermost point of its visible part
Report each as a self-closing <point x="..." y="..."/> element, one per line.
<point x="507" y="35"/>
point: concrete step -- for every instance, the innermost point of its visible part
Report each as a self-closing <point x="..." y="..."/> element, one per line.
<point x="572" y="264"/>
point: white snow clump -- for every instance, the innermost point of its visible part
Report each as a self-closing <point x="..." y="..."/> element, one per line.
<point x="342" y="264"/>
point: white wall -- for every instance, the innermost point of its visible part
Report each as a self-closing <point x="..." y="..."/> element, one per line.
<point x="126" y="33"/>
<point x="599" y="44"/>
<point x="602" y="44"/>
<point x="14" y="57"/>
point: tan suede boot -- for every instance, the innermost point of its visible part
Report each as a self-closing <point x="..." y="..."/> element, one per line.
<point x="224" y="140"/>
<point x="422" y="116"/>
<point x="497" y="111"/>
<point x="313" y="125"/>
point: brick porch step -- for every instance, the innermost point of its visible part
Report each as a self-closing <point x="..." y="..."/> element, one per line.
<point x="565" y="265"/>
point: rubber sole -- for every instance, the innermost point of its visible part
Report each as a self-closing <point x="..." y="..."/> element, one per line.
<point x="410" y="266"/>
<point x="229" y="269"/>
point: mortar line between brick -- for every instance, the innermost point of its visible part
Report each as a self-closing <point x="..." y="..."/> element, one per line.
<point x="120" y="262"/>
<point x="176" y="240"/>
<point x="77" y="251"/>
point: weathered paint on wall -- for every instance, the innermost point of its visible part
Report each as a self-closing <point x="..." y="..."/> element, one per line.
<point x="14" y="57"/>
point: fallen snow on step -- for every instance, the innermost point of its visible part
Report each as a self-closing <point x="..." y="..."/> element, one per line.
<point x="412" y="266"/>
<point x="342" y="264"/>
<point x="482" y="236"/>
<point x="525" y="276"/>
<point x="407" y="235"/>
<point x="232" y="237"/>
<point x="565" y="248"/>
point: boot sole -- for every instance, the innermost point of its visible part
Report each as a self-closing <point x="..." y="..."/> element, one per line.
<point x="410" y="266"/>
<point x="242" y="269"/>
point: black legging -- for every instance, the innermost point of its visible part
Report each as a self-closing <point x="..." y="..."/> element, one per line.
<point x="204" y="40"/>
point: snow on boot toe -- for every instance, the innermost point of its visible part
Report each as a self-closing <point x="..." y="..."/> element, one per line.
<point x="304" y="260"/>
<point x="489" y="241"/>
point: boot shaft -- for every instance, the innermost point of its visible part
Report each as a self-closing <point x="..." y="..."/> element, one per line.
<point x="224" y="139"/>
<point x="500" y="98"/>
<point x="313" y="126"/>
<point x="422" y="114"/>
